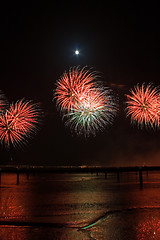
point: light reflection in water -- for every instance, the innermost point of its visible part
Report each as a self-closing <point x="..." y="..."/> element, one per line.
<point x="78" y="200"/>
<point x="149" y="229"/>
<point x="10" y="208"/>
<point x="13" y="233"/>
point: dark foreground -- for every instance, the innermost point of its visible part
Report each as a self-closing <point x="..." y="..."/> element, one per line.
<point x="80" y="206"/>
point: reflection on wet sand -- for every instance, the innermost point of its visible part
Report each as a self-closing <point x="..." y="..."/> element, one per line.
<point x="79" y="206"/>
<point x="149" y="229"/>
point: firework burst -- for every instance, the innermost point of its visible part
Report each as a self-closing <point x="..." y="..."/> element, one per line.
<point x="18" y="123"/>
<point x="93" y="112"/>
<point x="87" y="106"/>
<point x="144" y="106"/>
<point x="72" y="86"/>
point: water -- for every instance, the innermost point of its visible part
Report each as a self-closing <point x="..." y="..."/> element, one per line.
<point x="80" y="207"/>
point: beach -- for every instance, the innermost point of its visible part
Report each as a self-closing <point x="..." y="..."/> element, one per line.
<point x="80" y="206"/>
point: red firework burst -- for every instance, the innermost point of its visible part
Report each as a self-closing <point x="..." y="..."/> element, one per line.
<point x="18" y="123"/>
<point x="144" y="105"/>
<point x="72" y="86"/>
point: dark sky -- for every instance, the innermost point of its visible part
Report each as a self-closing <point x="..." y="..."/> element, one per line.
<point x="119" y="39"/>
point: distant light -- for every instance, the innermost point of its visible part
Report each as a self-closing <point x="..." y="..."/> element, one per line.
<point x="77" y="52"/>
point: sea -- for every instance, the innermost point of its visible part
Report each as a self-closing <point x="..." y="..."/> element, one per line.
<point x="80" y="206"/>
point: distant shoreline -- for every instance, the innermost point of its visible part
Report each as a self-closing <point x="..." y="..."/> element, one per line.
<point x="75" y="169"/>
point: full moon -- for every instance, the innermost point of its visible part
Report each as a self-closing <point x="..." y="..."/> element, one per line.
<point x="77" y="52"/>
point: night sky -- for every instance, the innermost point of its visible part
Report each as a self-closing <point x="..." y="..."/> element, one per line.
<point x="121" y="40"/>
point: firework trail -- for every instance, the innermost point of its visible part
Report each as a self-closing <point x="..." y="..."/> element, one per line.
<point x="18" y="123"/>
<point x="72" y="86"/>
<point x="3" y="102"/>
<point x="144" y="106"/>
<point x="93" y="113"/>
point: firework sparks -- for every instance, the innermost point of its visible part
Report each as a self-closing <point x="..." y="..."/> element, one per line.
<point x="144" y="106"/>
<point x="72" y="86"/>
<point x="18" y="123"/>
<point x="95" y="110"/>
